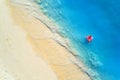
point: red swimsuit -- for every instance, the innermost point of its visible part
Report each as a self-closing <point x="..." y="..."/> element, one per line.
<point x="89" y="38"/>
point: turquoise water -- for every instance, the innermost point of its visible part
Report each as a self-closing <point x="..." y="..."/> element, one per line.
<point x="100" y="18"/>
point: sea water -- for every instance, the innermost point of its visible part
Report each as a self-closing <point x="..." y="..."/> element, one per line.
<point x="99" y="18"/>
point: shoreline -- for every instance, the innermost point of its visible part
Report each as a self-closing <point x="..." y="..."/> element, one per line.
<point x="39" y="41"/>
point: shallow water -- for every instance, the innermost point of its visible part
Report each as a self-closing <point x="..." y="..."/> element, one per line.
<point x="100" y="18"/>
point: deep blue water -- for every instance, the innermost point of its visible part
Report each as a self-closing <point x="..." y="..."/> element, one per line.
<point x="100" y="18"/>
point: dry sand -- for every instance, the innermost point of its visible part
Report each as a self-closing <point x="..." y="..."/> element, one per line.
<point x="18" y="61"/>
<point x="25" y="40"/>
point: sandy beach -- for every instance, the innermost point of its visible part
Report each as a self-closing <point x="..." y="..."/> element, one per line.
<point x="29" y="49"/>
<point x="18" y="61"/>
